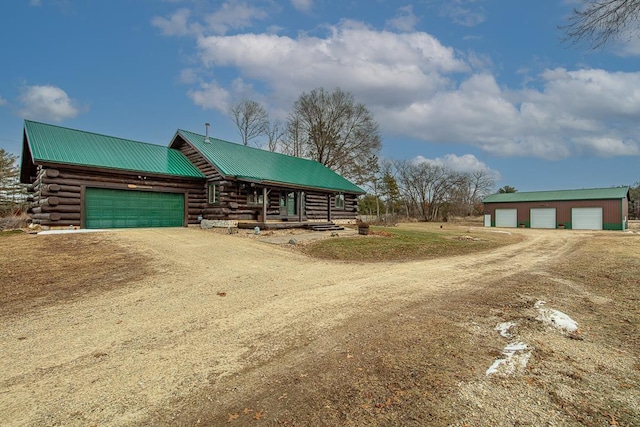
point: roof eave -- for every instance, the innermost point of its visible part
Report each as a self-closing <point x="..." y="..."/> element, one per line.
<point x="307" y="187"/>
<point x="111" y="169"/>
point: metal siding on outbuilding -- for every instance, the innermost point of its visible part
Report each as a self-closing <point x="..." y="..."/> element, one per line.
<point x="109" y="208"/>
<point x="612" y="202"/>
<point x="543" y="217"/>
<point x="586" y="218"/>
<point x="506" y="218"/>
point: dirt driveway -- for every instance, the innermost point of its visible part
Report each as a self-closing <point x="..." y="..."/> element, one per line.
<point x="226" y="330"/>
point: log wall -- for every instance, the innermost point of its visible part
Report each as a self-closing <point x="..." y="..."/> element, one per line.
<point x="56" y="197"/>
<point x="234" y="203"/>
<point x="317" y="206"/>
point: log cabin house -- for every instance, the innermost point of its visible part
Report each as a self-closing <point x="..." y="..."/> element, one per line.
<point x="80" y="179"/>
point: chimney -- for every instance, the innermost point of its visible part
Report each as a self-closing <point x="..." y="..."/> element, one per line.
<point x="206" y="130"/>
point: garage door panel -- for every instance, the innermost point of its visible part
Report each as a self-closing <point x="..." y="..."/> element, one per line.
<point x="506" y="218"/>
<point x="586" y="218"/>
<point x="110" y="208"/>
<point x="543" y="218"/>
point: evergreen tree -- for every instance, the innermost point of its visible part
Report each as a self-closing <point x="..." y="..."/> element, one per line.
<point x="12" y="193"/>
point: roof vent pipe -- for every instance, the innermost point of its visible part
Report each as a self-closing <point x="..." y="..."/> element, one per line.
<point x="206" y="131"/>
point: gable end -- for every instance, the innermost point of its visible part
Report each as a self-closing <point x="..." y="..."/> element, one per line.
<point x="196" y="158"/>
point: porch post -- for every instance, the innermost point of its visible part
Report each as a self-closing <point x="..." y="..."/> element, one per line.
<point x="299" y="203"/>
<point x="329" y="207"/>
<point x="264" y="204"/>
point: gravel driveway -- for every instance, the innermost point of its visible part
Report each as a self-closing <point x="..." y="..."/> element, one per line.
<point x="215" y="306"/>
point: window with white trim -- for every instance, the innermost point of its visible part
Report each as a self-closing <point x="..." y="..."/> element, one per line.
<point x="339" y="201"/>
<point x="255" y="198"/>
<point x="213" y="193"/>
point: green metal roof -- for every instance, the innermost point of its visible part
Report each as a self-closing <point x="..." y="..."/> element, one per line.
<point x="254" y="164"/>
<point x="55" y="144"/>
<point x="559" y="195"/>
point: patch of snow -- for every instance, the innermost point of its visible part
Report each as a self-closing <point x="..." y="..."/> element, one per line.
<point x="555" y="318"/>
<point x="514" y="356"/>
<point x="515" y="346"/>
<point x="539" y="304"/>
<point x="503" y="328"/>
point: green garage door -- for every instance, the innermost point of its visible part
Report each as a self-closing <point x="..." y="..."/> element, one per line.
<point x="107" y="208"/>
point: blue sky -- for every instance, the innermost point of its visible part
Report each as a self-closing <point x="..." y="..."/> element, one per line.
<point x="471" y="84"/>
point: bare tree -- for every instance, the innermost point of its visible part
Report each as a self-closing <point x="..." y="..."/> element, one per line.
<point x="275" y="133"/>
<point x="292" y="142"/>
<point x="335" y="130"/>
<point x="389" y="188"/>
<point x="475" y="186"/>
<point x="599" y="21"/>
<point x="251" y="119"/>
<point x="427" y="187"/>
<point x="370" y="178"/>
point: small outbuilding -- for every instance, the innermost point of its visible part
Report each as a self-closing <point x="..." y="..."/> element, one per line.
<point x="585" y="209"/>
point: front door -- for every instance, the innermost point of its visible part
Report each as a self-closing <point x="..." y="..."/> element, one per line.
<point x="288" y="203"/>
<point x="292" y="206"/>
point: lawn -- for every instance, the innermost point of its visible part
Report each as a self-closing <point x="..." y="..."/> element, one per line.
<point x="410" y="242"/>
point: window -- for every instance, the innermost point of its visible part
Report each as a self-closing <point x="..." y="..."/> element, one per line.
<point x="339" y="203"/>
<point x="213" y="193"/>
<point x="255" y="198"/>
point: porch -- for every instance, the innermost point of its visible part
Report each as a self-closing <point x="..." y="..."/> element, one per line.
<point x="284" y="225"/>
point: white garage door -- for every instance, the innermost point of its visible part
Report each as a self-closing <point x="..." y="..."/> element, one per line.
<point x="506" y="217"/>
<point x="543" y="217"/>
<point x="586" y="218"/>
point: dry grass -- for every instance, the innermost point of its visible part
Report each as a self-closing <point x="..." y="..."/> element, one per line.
<point x="409" y="243"/>
<point x="14" y="222"/>
<point x="39" y="271"/>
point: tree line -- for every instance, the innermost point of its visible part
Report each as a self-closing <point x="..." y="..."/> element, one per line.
<point x="423" y="190"/>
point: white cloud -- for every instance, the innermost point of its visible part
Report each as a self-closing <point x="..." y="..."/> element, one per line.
<point x="466" y="163"/>
<point x="231" y="15"/>
<point x="463" y="12"/>
<point x="404" y="20"/>
<point x="189" y="76"/>
<point x="35" y="2"/>
<point x="302" y="5"/>
<point x="177" y="24"/>
<point x="584" y="111"/>
<point x="381" y="67"/>
<point x="47" y="103"/>
<point x="211" y="96"/>
<point x="608" y="145"/>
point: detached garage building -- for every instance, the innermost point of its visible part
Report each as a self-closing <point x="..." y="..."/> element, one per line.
<point x="586" y="209"/>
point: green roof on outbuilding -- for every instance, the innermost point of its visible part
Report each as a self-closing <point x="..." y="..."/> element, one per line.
<point x="559" y="195"/>
<point x="56" y="144"/>
<point x="254" y="164"/>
